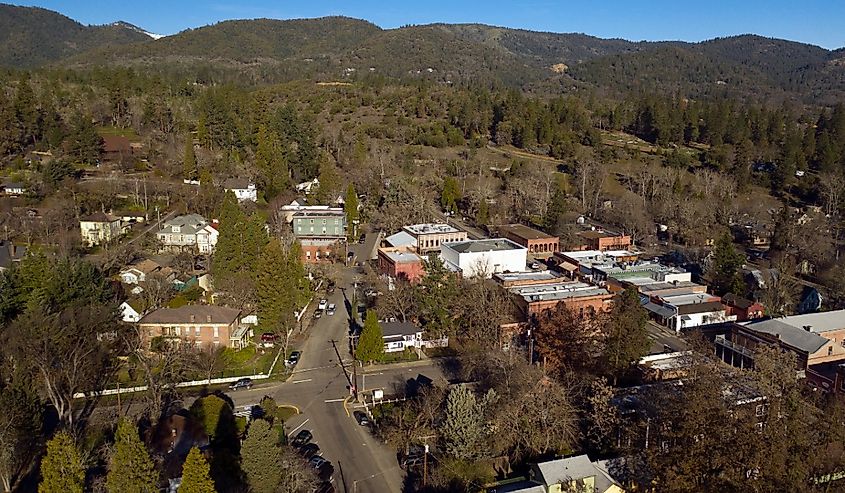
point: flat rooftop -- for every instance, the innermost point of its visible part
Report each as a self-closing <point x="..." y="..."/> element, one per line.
<point x="648" y="287"/>
<point x="403" y="257"/>
<point x="523" y="231"/>
<point x="542" y="275"/>
<point x="320" y="213"/>
<point x="668" y="361"/>
<point x="592" y="235"/>
<point x="688" y="299"/>
<point x="817" y="322"/>
<point x="430" y="228"/>
<point x="558" y="291"/>
<point x="486" y="245"/>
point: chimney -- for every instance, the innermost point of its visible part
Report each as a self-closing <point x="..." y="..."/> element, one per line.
<point x="208" y="318"/>
<point x="808" y="328"/>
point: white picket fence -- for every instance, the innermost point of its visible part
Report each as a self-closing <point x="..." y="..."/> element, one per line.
<point x="191" y="383"/>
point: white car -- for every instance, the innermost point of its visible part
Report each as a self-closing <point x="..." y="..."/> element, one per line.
<point x="330" y="310"/>
<point x="323" y="304"/>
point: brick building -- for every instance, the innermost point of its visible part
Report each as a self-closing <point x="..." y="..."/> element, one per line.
<point x="321" y="250"/>
<point x="537" y="242"/>
<point x="578" y="296"/>
<point x="401" y="263"/>
<point x="604" y="240"/>
<point x="742" y="308"/>
<point x="196" y="325"/>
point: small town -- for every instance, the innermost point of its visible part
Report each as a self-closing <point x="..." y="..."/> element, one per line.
<point x="276" y="249"/>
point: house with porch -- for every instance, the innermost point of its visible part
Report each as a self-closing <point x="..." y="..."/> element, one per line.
<point x="196" y="325"/>
<point x="187" y="233"/>
<point x="399" y="336"/>
<point x="99" y="228"/>
<point x="243" y="189"/>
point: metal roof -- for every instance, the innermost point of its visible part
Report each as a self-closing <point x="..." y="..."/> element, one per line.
<point x="486" y="245"/>
<point x="401" y="239"/>
<point x="789" y="334"/>
<point x="818" y="322"/>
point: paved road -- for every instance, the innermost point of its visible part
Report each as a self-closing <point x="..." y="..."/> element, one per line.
<point x="660" y="337"/>
<point x="319" y="386"/>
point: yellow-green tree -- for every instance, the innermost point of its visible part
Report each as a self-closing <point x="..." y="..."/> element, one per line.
<point x="130" y="470"/>
<point x="62" y="470"/>
<point x="195" y="474"/>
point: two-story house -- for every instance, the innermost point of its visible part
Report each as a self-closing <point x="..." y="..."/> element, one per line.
<point x="321" y="233"/>
<point x="195" y="325"/>
<point x="190" y="232"/>
<point x="99" y="228"/>
<point x="244" y="190"/>
<point x="577" y="473"/>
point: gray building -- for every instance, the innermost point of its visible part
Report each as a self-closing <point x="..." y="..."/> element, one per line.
<point x="320" y="224"/>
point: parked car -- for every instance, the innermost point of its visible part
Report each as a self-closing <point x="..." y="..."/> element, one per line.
<point x="301" y="438"/>
<point x="330" y="311"/>
<point x="361" y="418"/>
<point x="293" y="359"/>
<point x="318" y="313"/>
<point x="268" y="340"/>
<point x="323" y="304"/>
<point x="330" y="289"/>
<point x="309" y="450"/>
<point x="412" y="461"/>
<point x="535" y="265"/>
<point x="243" y="383"/>
<point x="317" y="462"/>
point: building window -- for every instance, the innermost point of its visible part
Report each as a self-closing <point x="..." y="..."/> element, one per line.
<point x="216" y="332"/>
<point x="758" y="427"/>
<point x="760" y="410"/>
<point x="324" y="221"/>
<point x="829" y="350"/>
<point x="178" y="331"/>
<point x="197" y="330"/>
<point x="312" y="221"/>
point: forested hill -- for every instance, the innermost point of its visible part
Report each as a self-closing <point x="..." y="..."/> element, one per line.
<point x="31" y="36"/>
<point x="339" y="48"/>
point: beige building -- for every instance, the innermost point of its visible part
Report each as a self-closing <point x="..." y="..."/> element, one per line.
<point x="429" y="237"/>
<point x="99" y="228"/>
<point x="196" y="325"/>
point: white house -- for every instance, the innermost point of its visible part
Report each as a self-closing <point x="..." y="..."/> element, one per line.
<point x="307" y="186"/>
<point x="14" y="188"/>
<point x="484" y="258"/>
<point x="188" y="232"/>
<point x="137" y="273"/>
<point x="686" y="311"/>
<point x="243" y="189"/>
<point x="99" y="228"/>
<point x="129" y="313"/>
<point x="399" y="336"/>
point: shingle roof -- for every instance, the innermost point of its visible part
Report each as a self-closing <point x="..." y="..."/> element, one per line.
<point x="188" y="223"/>
<point x="565" y="470"/>
<point x="706" y="307"/>
<point x="398" y="329"/>
<point x="817" y="322"/>
<point x="200" y="313"/>
<point x="523" y="231"/>
<point x="737" y="301"/>
<point x="236" y="184"/>
<point x="793" y="336"/>
<point x="99" y="217"/>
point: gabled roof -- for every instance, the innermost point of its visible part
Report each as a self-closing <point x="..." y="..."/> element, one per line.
<point x="737" y="301"/>
<point x="389" y="329"/>
<point x="9" y="252"/>
<point x="237" y="184"/>
<point x="99" y="217"/>
<point x="566" y="470"/>
<point x="817" y="322"/>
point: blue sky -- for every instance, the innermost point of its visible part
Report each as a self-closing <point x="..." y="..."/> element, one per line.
<point x="811" y="21"/>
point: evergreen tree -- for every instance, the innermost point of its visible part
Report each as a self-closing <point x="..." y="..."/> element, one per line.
<point x="482" y="216"/>
<point x="281" y="284"/>
<point x="371" y="341"/>
<point x="26" y="113"/>
<point x="329" y="179"/>
<point x="464" y="429"/>
<point x="189" y="163"/>
<point x="61" y="469"/>
<point x="627" y="336"/>
<point x="195" y="474"/>
<point x="450" y="194"/>
<point x="261" y="458"/>
<point x="350" y="206"/>
<point x="270" y="161"/>
<point x="724" y="271"/>
<point x="240" y="243"/>
<point x="20" y="429"/>
<point x="83" y="142"/>
<point x="131" y="470"/>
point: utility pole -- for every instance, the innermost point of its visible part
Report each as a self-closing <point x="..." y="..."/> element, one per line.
<point x="425" y="457"/>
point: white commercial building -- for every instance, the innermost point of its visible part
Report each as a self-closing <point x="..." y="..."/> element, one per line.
<point x="474" y="258"/>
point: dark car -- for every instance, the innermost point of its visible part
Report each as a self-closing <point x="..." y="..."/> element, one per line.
<point x="302" y="438"/>
<point x="325" y="472"/>
<point x="309" y="450"/>
<point x="243" y="383"/>
<point x="361" y="418"/>
<point x="412" y="462"/>
<point x="317" y="462"/>
<point x="293" y="359"/>
<point x="318" y="313"/>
